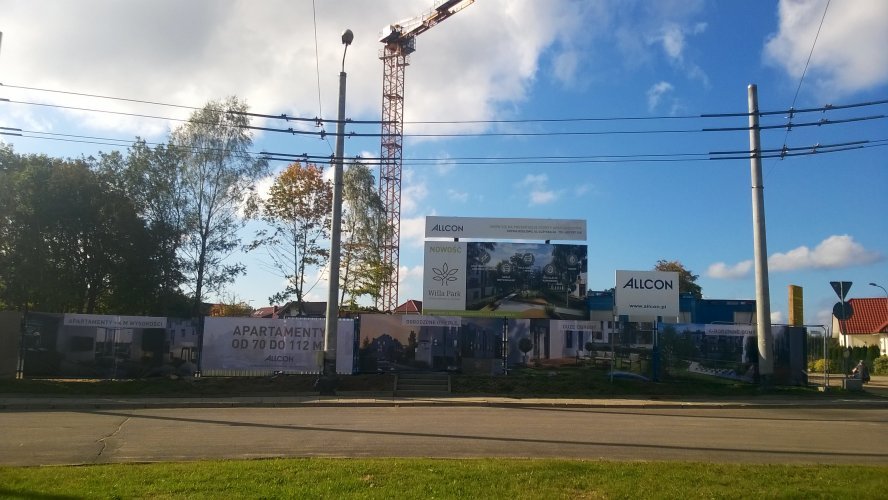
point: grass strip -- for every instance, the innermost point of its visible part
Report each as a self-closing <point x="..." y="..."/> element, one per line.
<point x="441" y="478"/>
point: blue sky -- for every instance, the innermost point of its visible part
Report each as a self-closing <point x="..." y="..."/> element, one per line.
<point x="664" y="63"/>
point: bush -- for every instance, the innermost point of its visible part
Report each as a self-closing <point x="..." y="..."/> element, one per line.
<point x="816" y="366"/>
<point x="880" y="366"/>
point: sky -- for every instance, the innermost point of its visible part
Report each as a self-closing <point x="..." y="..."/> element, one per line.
<point x="578" y="110"/>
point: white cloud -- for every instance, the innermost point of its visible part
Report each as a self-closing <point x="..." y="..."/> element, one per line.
<point x="413" y="191"/>
<point x="720" y="270"/>
<point x="832" y="253"/>
<point x="542" y="197"/>
<point x="445" y="165"/>
<point x="850" y="51"/>
<point x="457" y="196"/>
<point x="539" y="193"/>
<point x="777" y="317"/>
<point x="672" y="40"/>
<point x="656" y="92"/>
<point x="167" y="51"/>
<point x="534" y="180"/>
<point x="413" y="231"/>
<point x="565" y="66"/>
<point x="410" y="283"/>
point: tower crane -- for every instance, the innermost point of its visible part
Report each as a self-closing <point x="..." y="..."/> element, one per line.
<point x="399" y="41"/>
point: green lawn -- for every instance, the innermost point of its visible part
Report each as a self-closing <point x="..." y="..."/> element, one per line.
<point x="426" y="478"/>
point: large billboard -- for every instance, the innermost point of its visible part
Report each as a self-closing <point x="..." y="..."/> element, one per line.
<point x="505" y="279"/>
<point x="647" y="293"/>
<point x="292" y="345"/>
<point x="505" y="228"/>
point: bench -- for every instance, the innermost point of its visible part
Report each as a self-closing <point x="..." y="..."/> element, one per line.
<point x="604" y="358"/>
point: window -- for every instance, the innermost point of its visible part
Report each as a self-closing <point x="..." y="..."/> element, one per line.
<point x="569" y="339"/>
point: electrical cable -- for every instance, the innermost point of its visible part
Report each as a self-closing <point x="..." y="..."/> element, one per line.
<point x="467" y="160"/>
<point x="805" y="70"/>
<point x="316" y="120"/>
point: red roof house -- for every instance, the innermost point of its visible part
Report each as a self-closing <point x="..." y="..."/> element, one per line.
<point x="409" y="307"/>
<point x="867" y="325"/>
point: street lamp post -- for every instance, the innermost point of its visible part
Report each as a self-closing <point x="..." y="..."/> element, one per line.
<point x="883" y="289"/>
<point x="327" y="383"/>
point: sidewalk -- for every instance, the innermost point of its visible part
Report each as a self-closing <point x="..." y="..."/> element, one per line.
<point x="32" y="403"/>
<point x="874" y="395"/>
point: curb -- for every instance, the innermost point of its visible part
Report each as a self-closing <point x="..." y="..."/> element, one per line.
<point x="52" y="404"/>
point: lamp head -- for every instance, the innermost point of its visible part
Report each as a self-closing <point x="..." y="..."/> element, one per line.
<point x="347" y="37"/>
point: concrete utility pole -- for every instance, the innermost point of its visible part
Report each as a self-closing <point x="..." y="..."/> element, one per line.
<point x="762" y="294"/>
<point x="328" y="383"/>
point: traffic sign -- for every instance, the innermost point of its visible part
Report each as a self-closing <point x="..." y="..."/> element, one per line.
<point x="842" y="310"/>
<point x="841" y="288"/>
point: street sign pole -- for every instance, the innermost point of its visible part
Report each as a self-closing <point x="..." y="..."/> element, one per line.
<point x="842" y="311"/>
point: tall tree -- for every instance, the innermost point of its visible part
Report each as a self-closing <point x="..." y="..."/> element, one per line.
<point x="363" y="226"/>
<point x="298" y="213"/>
<point x="215" y="175"/>
<point x="687" y="281"/>
<point x="71" y="243"/>
<point x="148" y="178"/>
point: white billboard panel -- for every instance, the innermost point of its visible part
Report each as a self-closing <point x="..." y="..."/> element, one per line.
<point x="292" y="345"/>
<point x="444" y="276"/>
<point x="647" y="293"/>
<point x="505" y="228"/>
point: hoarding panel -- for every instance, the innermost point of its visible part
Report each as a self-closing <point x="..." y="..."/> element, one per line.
<point x="505" y="279"/>
<point x="292" y="345"/>
<point x="647" y="293"/>
<point x="505" y="228"/>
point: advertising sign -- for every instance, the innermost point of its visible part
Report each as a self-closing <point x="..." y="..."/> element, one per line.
<point x="293" y="345"/>
<point x="505" y="228"/>
<point x="444" y="276"/>
<point x="647" y="293"/>
<point x="505" y="279"/>
<point x="729" y="330"/>
<point x="104" y="321"/>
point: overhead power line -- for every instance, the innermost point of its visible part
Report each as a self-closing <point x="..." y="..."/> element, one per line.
<point x="323" y="134"/>
<point x="475" y="160"/>
<point x="317" y="120"/>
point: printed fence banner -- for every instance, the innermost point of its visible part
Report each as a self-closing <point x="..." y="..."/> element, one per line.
<point x="109" y="321"/>
<point x="292" y="345"/>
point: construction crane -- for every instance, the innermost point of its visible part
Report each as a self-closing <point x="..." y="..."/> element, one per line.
<point x="400" y="42"/>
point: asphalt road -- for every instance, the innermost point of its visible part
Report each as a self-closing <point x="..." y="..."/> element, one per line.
<point x="753" y="435"/>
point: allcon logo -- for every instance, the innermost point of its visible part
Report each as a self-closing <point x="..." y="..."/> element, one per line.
<point x="447" y="228"/>
<point x="649" y="284"/>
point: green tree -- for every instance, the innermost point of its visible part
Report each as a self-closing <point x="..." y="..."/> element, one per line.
<point x="71" y="243"/>
<point x="363" y="231"/>
<point x="687" y="281"/>
<point x="148" y="177"/>
<point x="214" y="177"/>
<point x="298" y="212"/>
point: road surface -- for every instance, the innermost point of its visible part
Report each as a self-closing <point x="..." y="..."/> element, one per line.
<point x="751" y="435"/>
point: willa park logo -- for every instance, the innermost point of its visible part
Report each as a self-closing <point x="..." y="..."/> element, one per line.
<point x="445" y="274"/>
